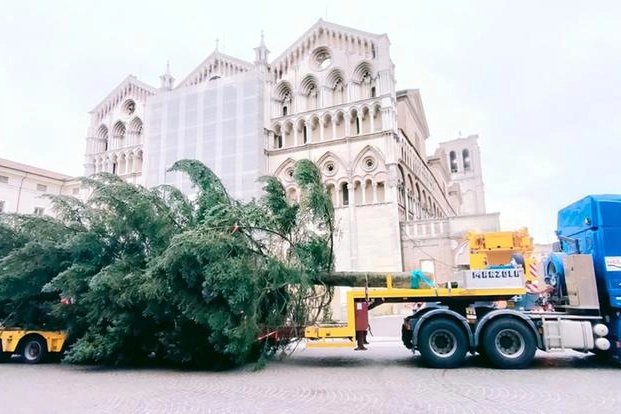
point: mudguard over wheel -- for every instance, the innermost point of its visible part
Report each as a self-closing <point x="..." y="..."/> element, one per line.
<point x="442" y="343"/>
<point x="33" y="349"/>
<point x="509" y="343"/>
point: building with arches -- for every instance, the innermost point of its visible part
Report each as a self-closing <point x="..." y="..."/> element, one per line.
<point x="330" y="97"/>
<point x="464" y="158"/>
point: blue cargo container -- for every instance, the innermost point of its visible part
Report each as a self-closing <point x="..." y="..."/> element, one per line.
<point x="592" y="225"/>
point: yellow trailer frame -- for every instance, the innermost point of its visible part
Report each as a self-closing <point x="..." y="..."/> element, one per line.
<point x="343" y="335"/>
<point x="13" y="341"/>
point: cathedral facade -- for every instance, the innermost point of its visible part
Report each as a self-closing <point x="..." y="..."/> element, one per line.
<point x="329" y="97"/>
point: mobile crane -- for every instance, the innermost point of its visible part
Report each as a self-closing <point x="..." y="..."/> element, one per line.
<point x="584" y="274"/>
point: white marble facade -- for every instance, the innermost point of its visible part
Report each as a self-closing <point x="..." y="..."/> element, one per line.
<point x="329" y="97"/>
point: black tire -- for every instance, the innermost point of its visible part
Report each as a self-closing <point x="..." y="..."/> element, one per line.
<point x="33" y="349"/>
<point x="442" y="343"/>
<point x="509" y="344"/>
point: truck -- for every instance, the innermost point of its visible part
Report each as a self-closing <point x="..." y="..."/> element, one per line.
<point x="486" y="309"/>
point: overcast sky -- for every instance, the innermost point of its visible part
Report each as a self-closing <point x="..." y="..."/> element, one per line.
<point x="538" y="81"/>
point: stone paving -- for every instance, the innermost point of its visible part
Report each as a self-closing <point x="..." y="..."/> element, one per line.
<point x="384" y="379"/>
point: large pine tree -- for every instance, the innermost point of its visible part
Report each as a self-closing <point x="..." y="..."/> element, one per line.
<point x="135" y="273"/>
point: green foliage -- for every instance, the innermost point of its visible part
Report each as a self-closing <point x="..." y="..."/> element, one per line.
<point x="135" y="274"/>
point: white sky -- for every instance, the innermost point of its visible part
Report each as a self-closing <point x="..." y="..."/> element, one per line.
<point x="539" y="81"/>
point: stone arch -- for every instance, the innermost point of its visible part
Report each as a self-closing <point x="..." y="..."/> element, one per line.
<point x="118" y="134"/>
<point x="401" y="185"/>
<point x="355" y="122"/>
<point x="103" y="135"/>
<point x="419" y="205"/>
<point x="313" y="126"/>
<point x="282" y="171"/>
<point x="335" y="82"/>
<point x="358" y="191"/>
<point x="339" y="124"/>
<point x="300" y="130"/>
<point x="363" y="75"/>
<point x="376" y="113"/>
<point x="361" y="71"/>
<point x="284" y="97"/>
<point x="288" y="134"/>
<point x="343" y="192"/>
<point x="369" y="151"/>
<point x="339" y="166"/>
<point x="409" y="193"/>
<point x="292" y="193"/>
<point x="135" y="131"/>
<point x="465" y="154"/>
<point x="453" y="162"/>
<point x="278" y="138"/>
<point x="365" y="120"/>
<point x="309" y="88"/>
<point x="138" y="160"/>
<point x="122" y="164"/>
<point x="129" y="107"/>
<point x="327" y="126"/>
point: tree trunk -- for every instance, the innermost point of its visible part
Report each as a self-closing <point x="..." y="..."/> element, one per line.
<point x="370" y="279"/>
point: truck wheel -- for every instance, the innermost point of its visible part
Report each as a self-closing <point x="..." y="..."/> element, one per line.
<point x="509" y="344"/>
<point x="442" y="343"/>
<point x="33" y="349"/>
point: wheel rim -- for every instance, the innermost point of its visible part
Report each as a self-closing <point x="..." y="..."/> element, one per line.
<point x="443" y="343"/>
<point x="32" y="351"/>
<point x="510" y="343"/>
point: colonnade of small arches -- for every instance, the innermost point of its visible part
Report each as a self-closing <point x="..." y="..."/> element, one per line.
<point x="123" y="134"/>
<point x="335" y="89"/>
<point x="357" y="192"/>
<point x="365" y="186"/>
<point x="415" y="201"/>
<point x="120" y="162"/>
<point x="328" y="126"/>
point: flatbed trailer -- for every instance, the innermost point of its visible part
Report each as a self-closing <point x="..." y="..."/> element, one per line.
<point x="457" y="321"/>
<point x="33" y="346"/>
<point x="343" y="335"/>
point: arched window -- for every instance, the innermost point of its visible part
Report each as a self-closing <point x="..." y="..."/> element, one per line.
<point x="129" y="107"/>
<point x="284" y="98"/>
<point x="345" y="194"/>
<point x="118" y="133"/>
<point x="135" y="131"/>
<point x="278" y="141"/>
<point x="453" y="161"/>
<point x="102" y="133"/>
<point x="339" y="92"/>
<point x="309" y="89"/>
<point x="466" y="157"/>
